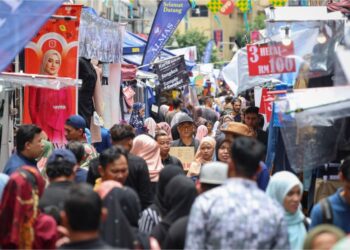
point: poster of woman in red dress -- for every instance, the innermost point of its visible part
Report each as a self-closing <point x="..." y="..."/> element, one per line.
<point x="54" y="52"/>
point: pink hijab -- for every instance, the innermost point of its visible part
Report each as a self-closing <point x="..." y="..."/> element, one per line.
<point x="106" y="187"/>
<point x="148" y="149"/>
<point x="202" y="131"/>
<point x="151" y="126"/>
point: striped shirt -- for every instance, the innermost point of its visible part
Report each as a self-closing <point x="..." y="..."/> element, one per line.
<point x="149" y="219"/>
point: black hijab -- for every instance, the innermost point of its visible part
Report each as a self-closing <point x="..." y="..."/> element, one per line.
<point x="116" y="230"/>
<point x="166" y="174"/>
<point x="130" y="204"/>
<point x="180" y="194"/>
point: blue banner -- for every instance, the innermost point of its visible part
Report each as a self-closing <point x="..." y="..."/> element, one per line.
<point x="168" y="17"/>
<point x="208" y="51"/>
<point x="19" y="22"/>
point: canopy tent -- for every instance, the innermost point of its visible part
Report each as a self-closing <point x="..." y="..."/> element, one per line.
<point x="134" y="46"/>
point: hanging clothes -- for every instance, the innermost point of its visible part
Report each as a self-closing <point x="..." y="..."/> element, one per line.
<point x="111" y="95"/>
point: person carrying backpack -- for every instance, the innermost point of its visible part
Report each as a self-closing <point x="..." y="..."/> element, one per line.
<point x="335" y="209"/>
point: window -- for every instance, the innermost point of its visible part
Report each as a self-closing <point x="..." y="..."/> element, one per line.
<point x="232" y="40"/>
<point x="199" y="11"/>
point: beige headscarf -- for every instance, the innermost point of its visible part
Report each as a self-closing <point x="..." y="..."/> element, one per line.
<point x="199" y="161"/>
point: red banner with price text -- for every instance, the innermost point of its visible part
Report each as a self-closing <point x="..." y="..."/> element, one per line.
<point x="265" y="59"/>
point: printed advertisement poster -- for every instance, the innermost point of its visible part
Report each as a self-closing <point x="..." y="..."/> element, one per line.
<point x="53" y="52"/>
<point x="265" y="59"/>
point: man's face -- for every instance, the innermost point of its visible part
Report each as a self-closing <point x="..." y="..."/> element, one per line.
<point x="237" y="107"/>
<point x="35" y="147"/>
<point x="116" y="171"/>
<point x="72" y="134"/>
<point x="185" y="129"/>
<point x="164" y="144"/>
<point x="251" y="120"/>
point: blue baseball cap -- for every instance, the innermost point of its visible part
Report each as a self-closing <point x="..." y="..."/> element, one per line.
<point x="65" y="154"/>
<point x="76" y="121"/>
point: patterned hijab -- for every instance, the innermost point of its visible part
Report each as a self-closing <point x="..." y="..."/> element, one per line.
<point x="136" y="120"/>
<point x="19" y="208"/>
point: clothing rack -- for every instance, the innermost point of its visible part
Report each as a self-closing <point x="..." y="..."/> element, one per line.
<point x="13" y="80"/>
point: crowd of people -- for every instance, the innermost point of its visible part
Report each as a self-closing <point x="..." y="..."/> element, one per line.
<point x="130" y="192"/>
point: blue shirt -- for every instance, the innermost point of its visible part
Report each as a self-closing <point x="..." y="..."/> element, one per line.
<point x="341" y="212"/>
<point x="80" y="175"/>
<point x="16" y="161"/>
<point x="106" y="141"/>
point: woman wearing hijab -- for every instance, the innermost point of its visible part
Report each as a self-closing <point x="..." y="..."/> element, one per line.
<point x="222" y="150"/>
<point x="166" y="127"/>
<point x="153" y="214"/>
<point x="202" y="132"/>
<point x="323" y="237"/>
<point x="286" y="189"/>
<point x="151" y="126"/>
<point x="180" y="193"/>
<point x="204" y="154"/>
<point x="147" y="148"/>
<point x="136" y="118"/>
<point x="23" y="226"/>
<point x="115" y="229"/>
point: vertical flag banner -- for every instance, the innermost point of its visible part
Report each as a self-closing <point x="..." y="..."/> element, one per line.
<point x="208" y="51"/>
<point x="19" y="21"/>
<point x="168" y="17"/>
<point x="53" y="51"/>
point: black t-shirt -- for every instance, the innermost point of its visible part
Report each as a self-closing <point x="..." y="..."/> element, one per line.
<point x="139" y="180"/>
<point x="172" y="160"/>
<point x="52" y="200"/>
<point x="87" y="244"/>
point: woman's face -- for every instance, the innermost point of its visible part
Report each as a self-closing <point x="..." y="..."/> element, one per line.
<point x="207" y="151"/>
<point x="223" y="152"/>
<point x="52" y="65"/>
<point x="142" y="112"/>
<point x="292" y="200"/>
<point x="209" y="127"/>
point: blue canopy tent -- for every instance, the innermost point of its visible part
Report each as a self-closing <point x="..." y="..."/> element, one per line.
<point x="134" y="47"/>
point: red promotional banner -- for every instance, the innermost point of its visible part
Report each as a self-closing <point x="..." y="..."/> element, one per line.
<point x="53" y="51"/>
<point x="218" y="37"/>
<point x="266" y="104"/>
<point x="227" y="7"/>
<point x="265" y="59"/>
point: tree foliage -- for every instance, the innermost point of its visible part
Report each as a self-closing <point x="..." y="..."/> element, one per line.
<point x="194" y="38"/>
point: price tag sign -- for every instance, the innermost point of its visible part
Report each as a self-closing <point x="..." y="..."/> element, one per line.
<point x="265" y="59"/>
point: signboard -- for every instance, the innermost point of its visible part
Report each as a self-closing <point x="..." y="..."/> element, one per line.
<point x="184" y="154"/>
<point x="227" y="7"/>
<point x="265" y="59"/>
<point x="266" y="104"/>
<point x="172" y="73"/>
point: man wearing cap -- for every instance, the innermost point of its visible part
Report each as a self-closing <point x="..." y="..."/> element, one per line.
<point x="185" y="127"/>
<point x="74" y="130"/>
<point x="212" y="175"/>
<point x="60" y="169"/>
